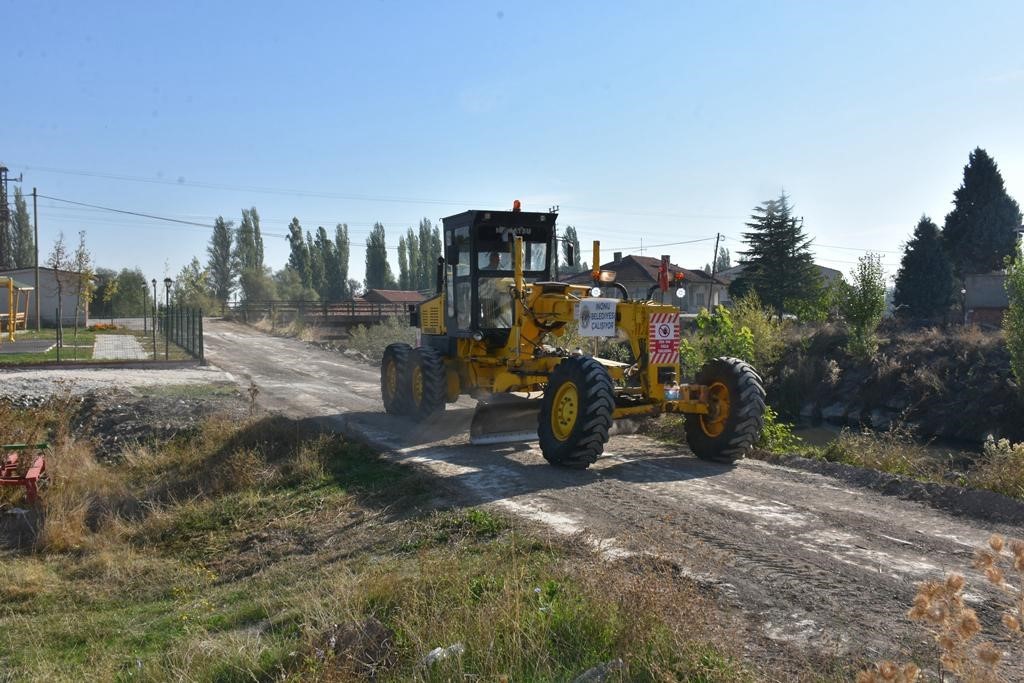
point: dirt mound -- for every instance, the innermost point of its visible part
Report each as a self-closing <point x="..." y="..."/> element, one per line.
<point x="114" y="419"/>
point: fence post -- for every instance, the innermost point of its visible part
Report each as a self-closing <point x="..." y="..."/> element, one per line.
<point x="202" y="346"/>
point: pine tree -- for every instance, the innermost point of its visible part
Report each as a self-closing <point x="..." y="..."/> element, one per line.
<point x="778" y="264"/>
<point x="298" y="257"/>
<point x="980" y="231"/>
<point x="22" y="239"/>
<point x="924" y="282"/>
<point x="341" y="250"/>
<point x="570" y="238"/>
<point x="378" y="270"/>
<point x="222" y="267"/>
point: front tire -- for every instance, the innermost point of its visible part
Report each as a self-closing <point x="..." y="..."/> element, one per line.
<point x="576" y="413"/>
<point x="394" y="379"/>
<point x="428" y="382"/>
<point x="734" y="424"/>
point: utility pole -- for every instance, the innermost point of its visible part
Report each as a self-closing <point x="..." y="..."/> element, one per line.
<point x="35" y="227"/>
<point x="714" y="259"/>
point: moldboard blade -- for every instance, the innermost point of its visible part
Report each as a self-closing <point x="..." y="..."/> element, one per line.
<point x="504" y="418"/>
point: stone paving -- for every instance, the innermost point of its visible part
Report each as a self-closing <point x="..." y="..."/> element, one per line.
<point x="118" y="347"/>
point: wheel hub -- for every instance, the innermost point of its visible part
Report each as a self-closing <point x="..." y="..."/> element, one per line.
<point x="713" y="424"/>
<point x="564" y="411"/>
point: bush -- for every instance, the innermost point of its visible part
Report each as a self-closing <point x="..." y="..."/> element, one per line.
<point x="1001" y="468"/>
<point x="776" y="436"/>
<point x="767" y="330"/>
<point x="717" y="335"/>
<point x="862" y="304"/>
<point x="1013" y="321"/>
<point x="371" y="340"/>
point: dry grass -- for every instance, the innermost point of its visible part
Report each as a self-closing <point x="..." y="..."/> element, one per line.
<point x="962" y="648"/>
<point x="273" y="550"/>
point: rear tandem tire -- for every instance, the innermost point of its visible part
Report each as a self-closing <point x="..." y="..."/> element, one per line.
<point x="428" y="382"/>
<point x="394" y="379"/>
<point x="576" y="413"/>
<point x="737" y="390"/>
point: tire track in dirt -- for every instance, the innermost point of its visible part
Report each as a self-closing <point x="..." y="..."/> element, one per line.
<point x="819" y="563"/>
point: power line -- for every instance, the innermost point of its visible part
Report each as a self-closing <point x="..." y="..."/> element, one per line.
<point x="125" y="211"/>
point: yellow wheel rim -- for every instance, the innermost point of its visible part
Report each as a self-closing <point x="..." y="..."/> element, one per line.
<point x="713" y="423"/>
<point x="564" y="411"/>
<point x="417" y="385"/>
<point x="391" y="380"/>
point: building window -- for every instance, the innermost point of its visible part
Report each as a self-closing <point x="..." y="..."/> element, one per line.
<point x="698" y="299"/>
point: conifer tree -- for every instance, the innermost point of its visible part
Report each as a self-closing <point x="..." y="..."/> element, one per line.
<point x="403" y="264"/>
<point x="778" y="264"/>
<point x="980" y="231"/>
<point x="924" y="282"/>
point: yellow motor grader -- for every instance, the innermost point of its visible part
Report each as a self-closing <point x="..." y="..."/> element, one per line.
<point x="492" y="331"/>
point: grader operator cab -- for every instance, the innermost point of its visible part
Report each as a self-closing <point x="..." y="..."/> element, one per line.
<point x="492" y="331"/>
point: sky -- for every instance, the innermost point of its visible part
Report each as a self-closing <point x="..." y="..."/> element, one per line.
<point x="646" y="123"/>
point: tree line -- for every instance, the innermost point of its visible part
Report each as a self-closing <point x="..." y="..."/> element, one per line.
<point x="978" y="236"/>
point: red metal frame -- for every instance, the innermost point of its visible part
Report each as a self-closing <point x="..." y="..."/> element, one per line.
<point x="9" y="475"/>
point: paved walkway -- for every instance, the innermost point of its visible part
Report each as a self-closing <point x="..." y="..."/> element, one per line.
<point x="118" y="347"/>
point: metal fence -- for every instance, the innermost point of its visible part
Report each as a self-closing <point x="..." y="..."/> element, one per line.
<point x="183" y="327"/>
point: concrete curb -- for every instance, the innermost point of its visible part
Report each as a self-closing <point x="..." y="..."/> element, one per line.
<point x="106" y="364"/>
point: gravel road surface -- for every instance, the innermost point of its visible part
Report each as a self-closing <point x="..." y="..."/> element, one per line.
<point x="818" y="563"/>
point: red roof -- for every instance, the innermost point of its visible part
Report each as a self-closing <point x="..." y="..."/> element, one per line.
<point x="393" y="296"/>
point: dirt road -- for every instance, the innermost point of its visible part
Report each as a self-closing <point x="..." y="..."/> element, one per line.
<point x="819" y="563"/>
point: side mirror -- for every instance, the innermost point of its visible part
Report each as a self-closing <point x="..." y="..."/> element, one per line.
<point x="570" y="253"/>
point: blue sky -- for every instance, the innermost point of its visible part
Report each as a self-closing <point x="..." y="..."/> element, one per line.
<point x="660" y="122"/>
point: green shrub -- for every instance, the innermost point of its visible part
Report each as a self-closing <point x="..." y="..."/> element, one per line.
<point x="776" y="436"/>
<point x="767" y="330"/>
<point x="371" y="340"/>
<point x="717" y="335"/>
<point x="1013" y="321"/>
<point x="862" y="304"/>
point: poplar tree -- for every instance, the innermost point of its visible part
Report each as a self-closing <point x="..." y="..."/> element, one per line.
<point x="298" y="257"/>
<point x="22" y="238"/>
<point x="378" y="270"/>
<point x="570" y="238"/>
<point x="221" y="265"/>
<point x="341" y="251"/>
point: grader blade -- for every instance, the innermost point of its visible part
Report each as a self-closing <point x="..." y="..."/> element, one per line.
<point x="504" y="418"/>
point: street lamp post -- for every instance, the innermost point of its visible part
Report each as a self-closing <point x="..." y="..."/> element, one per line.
<point x="167" y="317"/>
<point x="154" y="318"/>
<point x="963" y="303"/>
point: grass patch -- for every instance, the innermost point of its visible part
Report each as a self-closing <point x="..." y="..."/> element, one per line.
<point x="274" y="550"/>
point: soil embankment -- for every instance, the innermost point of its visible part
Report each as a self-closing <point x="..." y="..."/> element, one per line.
<point x="952" y="383"/>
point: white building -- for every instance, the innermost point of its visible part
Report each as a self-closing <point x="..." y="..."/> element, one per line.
<point x="47" y="293"/>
